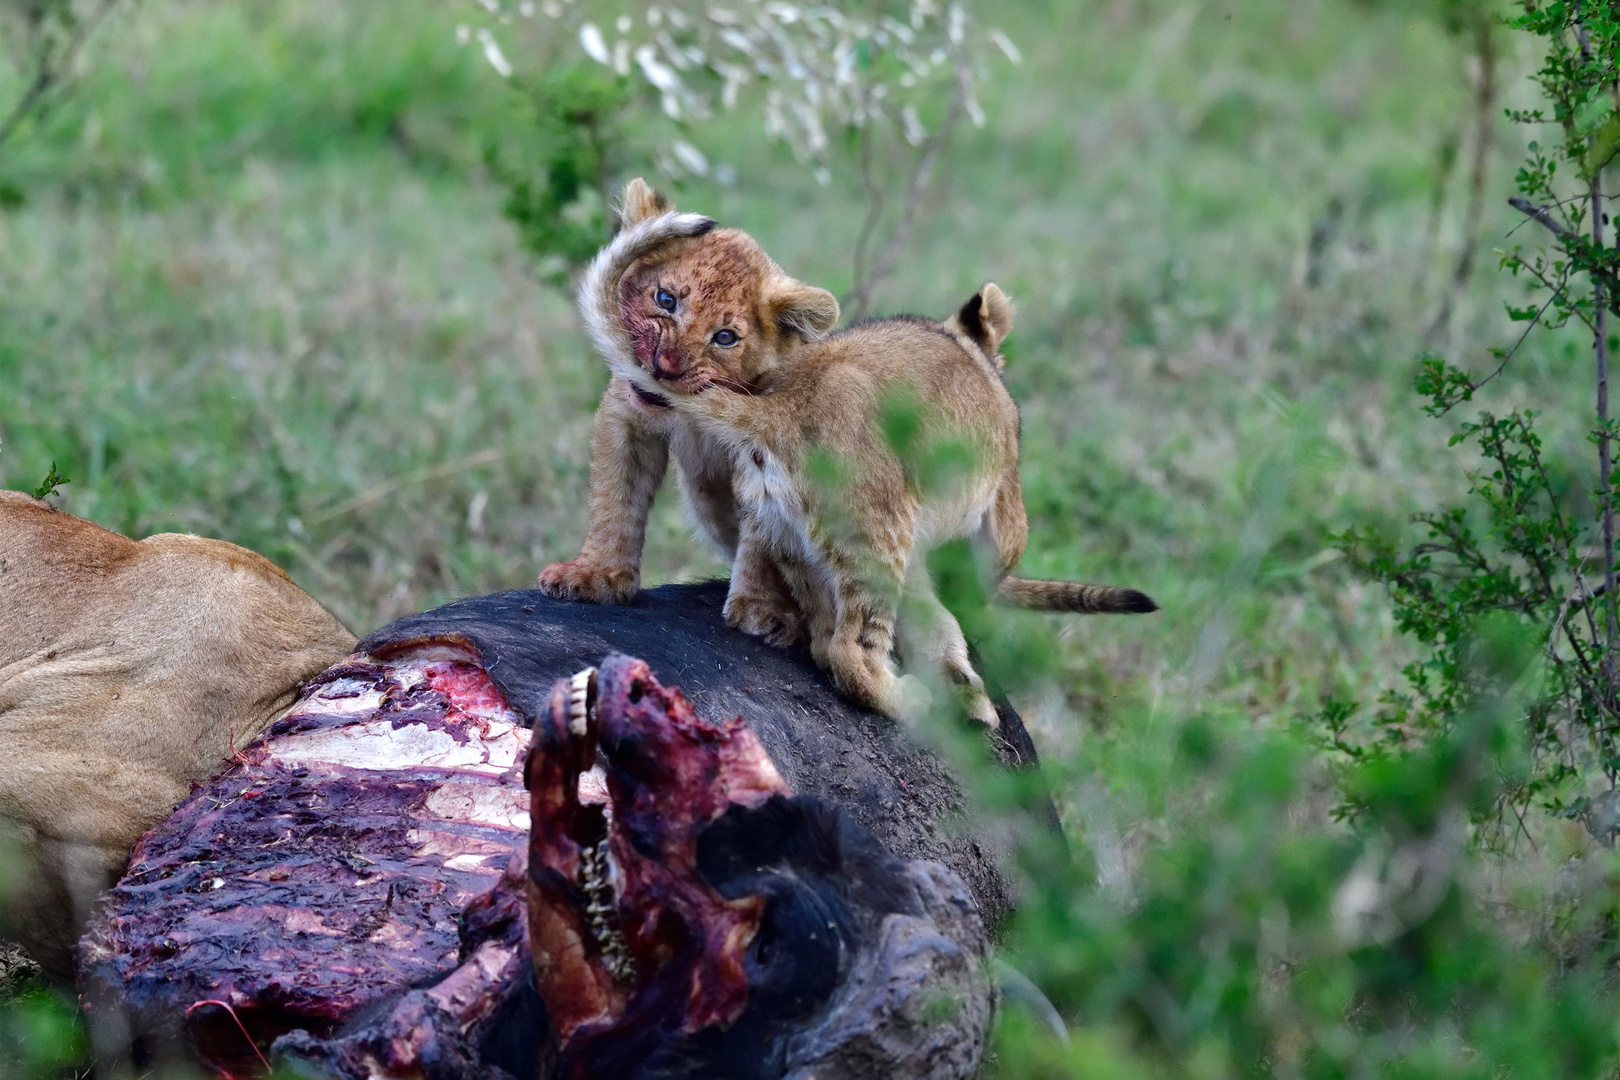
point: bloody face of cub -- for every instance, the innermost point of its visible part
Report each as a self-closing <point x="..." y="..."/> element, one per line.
<point x="717" y="313"/>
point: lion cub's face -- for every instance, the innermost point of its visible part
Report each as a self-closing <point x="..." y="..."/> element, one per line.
<point x="699" y="319"/>
<point x="715" y="310"/>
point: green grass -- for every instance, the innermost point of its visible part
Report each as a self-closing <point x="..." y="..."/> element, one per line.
<point x="260" y="288"/>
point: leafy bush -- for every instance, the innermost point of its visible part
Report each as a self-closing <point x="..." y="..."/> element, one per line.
<point x="1250" y="937"/>
<point x="1527" y="546"/>
<point x="559" y="169"/>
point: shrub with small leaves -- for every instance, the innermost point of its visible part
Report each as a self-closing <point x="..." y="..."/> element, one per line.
<point x="557" y="174"/>
<point x="53" y="480"/>
<point x="1528" y="545"/>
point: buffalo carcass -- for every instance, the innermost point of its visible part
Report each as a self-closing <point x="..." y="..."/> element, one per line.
<point x="345" y="898"/>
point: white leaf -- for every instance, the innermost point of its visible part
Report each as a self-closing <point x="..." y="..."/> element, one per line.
<point x="690" y="156"/>
<point x="590" y="39"/>
<point x="1004" y="43"/>
<point x="916" y="134"/>
<point x="492" y="53"/>
<point x="975" y="111"/>
<point x="660" y="74"/>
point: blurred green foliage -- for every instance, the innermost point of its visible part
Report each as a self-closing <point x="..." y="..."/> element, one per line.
<point x="40" y="1033"/>
<point x="558" y="169"/>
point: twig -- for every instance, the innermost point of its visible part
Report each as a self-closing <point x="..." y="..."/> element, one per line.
<point x="382" y="491"/>
<point x="48" y="75"/>
<point x="1508" y="355"/>
<point x="1518" y="812"/>
<point x="860" y="293"/>
<point x="875" y="202"/>
<point x="1484" y="114"/>
<point x="1600" y="349"/>
<point x="1542" y="215"/>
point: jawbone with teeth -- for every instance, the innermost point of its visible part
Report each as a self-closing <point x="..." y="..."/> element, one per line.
<point x="701" y="920"/>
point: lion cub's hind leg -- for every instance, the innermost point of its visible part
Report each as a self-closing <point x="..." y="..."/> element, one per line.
<point x="868" y="579"/>
<point x="931" y="641"/>
<point x="858" y="655"/>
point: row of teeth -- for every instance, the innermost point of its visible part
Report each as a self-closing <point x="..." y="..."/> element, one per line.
<point x="580" y="689"/>
<point x="601" y="909"/>
<point x="601" y="912"/>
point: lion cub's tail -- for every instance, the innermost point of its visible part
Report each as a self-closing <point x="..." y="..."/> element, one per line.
<point x="1072" y="596"/>
<point x="599" y="289"/>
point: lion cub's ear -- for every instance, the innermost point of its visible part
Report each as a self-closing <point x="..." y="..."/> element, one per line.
<point x="801" y="309"/>
<point x="641" y="202"/>
<point x="986" y="319"/>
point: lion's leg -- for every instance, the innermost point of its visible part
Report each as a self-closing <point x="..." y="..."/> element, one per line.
<point x="628" y="460"/>
<point x="868" y="582"/>
<point x="931" y="641"/>
<point x="761" y="598"/>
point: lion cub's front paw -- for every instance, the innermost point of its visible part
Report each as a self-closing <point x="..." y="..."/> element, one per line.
<point x="581" y="580"/>
<point x="776" y="619"/>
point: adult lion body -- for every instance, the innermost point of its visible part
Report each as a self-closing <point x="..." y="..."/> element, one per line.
<point x="127" y="671"/>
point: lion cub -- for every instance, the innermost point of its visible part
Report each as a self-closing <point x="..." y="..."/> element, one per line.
<point x="676" y="306"/>
<point x="680" y="329"/>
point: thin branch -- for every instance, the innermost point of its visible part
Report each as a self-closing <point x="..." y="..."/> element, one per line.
<point x="860" y="293"/>
<point x="1484" y="115"/>
<point x="1600" y="351"/>
<point x="1508" y="355"/>
<point x="1542" y="215"/>
<point x="49" y="69"/>
<point x="875" y="202"/>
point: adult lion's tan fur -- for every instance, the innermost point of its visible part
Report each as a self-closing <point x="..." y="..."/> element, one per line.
<point x="127" y="670"/>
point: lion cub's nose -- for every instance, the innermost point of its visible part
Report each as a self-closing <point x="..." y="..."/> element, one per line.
<point x="666" y="365"/>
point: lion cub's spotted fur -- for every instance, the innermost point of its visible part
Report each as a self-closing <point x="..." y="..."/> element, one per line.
<point x="743" y="418"/>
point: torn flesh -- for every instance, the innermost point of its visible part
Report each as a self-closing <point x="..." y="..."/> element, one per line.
<point x="617" y="906"/>
<point x="357" y="896"/>
<point x="707" y="922"/>
<point x="328" y="869"/>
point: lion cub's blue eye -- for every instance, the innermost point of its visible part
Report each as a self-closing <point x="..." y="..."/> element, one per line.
<point x="666" y="299"/>
<point x="725" y="337"/>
